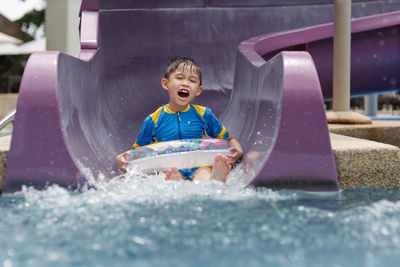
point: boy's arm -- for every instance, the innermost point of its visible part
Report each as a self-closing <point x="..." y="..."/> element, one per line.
<point x="216" y="130"/>
<point x="144" y="138"/>
<point x="236" y="150"/>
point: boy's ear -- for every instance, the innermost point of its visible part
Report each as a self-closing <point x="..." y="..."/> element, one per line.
<point x="164" y="83"/>
<point x="200" y="90"/>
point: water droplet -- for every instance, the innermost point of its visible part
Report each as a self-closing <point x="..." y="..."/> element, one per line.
<point x="139" y="240"/>
<point x="7" y="263"/>
<point x="96" y="246"/>
<point x="11" y="253"/>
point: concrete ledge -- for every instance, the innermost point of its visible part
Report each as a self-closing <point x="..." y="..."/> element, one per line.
<point x="387" y="132"/>
<point x="363" y="163"/>
<point x="5" y="142"/>
<point x="347" y="117"/>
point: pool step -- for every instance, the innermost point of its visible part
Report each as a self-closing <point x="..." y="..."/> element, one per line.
<point x="363" y="163"/>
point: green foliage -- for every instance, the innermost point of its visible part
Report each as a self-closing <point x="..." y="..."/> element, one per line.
<point x="11" y="64"/>
<point x="31" y="21"/>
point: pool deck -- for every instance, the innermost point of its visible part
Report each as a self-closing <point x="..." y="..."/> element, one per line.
<point x="365" y="155"/>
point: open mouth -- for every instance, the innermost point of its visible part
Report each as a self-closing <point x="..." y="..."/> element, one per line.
<point x="183" y="93"/>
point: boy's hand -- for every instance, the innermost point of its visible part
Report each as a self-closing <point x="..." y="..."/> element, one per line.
<point x="235" y="156"/>
<point x="122" y="161"/>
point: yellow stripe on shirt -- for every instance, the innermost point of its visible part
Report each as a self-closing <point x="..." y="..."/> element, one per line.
<point x="222" y="133"/>
<point x="136" y="145"/>
<point x="200" y="109"/>
<point x="156" y="114"/>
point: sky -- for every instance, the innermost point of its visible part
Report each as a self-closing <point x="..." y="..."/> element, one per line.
<point x="15" y="9"/>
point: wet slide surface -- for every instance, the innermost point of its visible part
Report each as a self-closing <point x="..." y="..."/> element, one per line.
<point x="75" y="115"/>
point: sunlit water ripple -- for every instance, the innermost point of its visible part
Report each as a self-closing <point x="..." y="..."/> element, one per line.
<point x="147" y="221"/>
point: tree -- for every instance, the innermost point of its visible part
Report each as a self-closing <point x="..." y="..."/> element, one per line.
<point x="32" y="21"/>
<point x="12" y="66"/>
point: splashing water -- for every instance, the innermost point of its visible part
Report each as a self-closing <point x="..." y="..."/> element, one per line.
<point x="146" y="221"/>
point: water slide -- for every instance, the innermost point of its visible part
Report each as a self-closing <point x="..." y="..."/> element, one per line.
<point x="264" y="80"/>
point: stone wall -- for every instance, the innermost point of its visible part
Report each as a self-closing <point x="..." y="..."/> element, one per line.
<point x="8" y="102"/>
<point x="4" y="147"/>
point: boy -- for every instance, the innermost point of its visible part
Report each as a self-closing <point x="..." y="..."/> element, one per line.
<point x="181" y="120"/>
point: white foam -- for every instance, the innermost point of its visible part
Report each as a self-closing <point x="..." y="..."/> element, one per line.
<point x="138" y="187"/>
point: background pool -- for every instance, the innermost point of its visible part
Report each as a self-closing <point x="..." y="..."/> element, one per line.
<point x="146" y="221"/>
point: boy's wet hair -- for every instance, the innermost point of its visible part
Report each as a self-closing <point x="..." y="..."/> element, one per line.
<point x="187" y="61"/>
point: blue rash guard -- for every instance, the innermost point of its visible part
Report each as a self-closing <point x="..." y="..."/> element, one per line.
<point x="166" y="125"/>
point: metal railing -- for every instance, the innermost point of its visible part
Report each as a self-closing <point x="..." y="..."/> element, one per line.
<point x="9" y="118"/>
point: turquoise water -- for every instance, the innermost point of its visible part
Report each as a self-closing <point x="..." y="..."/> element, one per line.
<point x="146" y="221"/>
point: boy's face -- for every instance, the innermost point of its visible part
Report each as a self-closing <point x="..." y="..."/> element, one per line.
<point x="183" y="85"/>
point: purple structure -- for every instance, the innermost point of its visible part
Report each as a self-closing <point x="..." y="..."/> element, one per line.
<point x="74" y="115"/>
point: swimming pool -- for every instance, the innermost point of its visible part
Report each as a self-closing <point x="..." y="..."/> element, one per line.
<point x="146" y="221"/>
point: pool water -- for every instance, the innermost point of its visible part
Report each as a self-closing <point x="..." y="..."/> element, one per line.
<point x="138" y="220"/>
